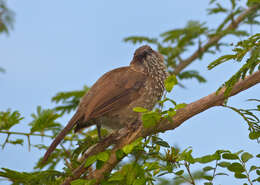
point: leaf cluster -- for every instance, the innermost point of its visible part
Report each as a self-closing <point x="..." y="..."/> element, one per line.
<point x="248" y="51"/>
<point x="9" y="118"/>
<point x="251" y="118"/>
<point x="69" y="100"/>
<point x="48" y="177"/>
<point x="6" y="17"/>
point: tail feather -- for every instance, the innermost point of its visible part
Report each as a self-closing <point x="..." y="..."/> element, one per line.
<point x="61" y="136"/>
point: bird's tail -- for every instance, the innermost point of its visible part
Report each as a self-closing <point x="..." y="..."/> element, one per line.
<point x="61" y="136"/>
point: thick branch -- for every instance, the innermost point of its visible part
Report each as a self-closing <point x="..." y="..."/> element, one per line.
<point x="127" y="135"/>
<point x="213" y="40"/>
<point x="194" y="108"/>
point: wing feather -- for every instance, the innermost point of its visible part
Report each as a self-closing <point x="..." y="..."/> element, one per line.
<point x="112" y="91"/>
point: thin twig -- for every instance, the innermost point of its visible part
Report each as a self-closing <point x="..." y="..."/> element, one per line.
<point x="187" y="166"/>
<point x="247" y="174"/>
<point x="25" y="134"/>
<point x="29" y="143"/>
<point x="68" y="155"/>
<point x="214" y="172"/>
<point x="6" y="141"/>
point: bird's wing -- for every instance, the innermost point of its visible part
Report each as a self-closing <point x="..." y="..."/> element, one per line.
<point x="112" y="91"/>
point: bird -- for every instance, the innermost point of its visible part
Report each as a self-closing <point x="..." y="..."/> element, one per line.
<point x="110" y="101"/>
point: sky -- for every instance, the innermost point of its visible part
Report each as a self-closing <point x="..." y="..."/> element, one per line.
<point x="63" y="45"/>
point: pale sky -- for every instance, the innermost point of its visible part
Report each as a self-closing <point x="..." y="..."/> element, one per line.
<point x="62" y="45"/>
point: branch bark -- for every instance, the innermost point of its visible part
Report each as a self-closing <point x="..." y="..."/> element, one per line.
<point x="213" y="40"/>
<point x="127" y="135"/>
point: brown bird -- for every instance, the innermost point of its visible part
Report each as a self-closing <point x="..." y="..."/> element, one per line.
<point x="110" y="101"/>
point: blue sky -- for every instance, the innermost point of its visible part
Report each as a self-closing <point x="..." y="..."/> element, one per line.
<point x="63" y="45"/>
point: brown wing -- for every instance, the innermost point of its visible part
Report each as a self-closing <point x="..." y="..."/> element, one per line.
<point x="112" y="91"/>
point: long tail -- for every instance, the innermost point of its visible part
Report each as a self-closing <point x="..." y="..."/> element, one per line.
<point x="61" y="136"/>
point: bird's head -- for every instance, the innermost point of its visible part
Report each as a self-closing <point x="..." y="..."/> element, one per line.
<point x="146" y="59"/>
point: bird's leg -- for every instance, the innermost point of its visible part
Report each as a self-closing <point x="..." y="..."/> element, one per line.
<point x="99" y="131"/>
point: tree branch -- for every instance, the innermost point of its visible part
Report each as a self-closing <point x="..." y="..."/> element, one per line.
<point x="129" y="134"/>
<point x="213" y="40"/>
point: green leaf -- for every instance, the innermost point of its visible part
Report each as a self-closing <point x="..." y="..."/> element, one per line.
<point x="206" y="158"/>
<point x="230" y="156"/>
<point x="44" y="119"/>
<point x="170" y="82"/>
<point x="83" y="182"/>
<point x="207" y="177"/>
<point x="240" y="176"/>
<point x="140" y="109"/>
<point x="120" y="154"/>
<point x="140" y="181"/>
<point x="258" y="155"/>
<point x="208" y="183"/>
<point x="90" y="160"/>
<point x="68" y="100"/>
<point x="140" y="39"/>
<point x="150" y="119"/>
<point x="254" y="135"/>
<point x="103" y="156"/>
<point x="221" y="174"/>
<point x="221" y="60"/>
<point x="37" y="178"/>
<point x="236" y="167"/>
<point x="208" y="168"/>
<point x="252" y="2"/>
<point x="99" y="164"/>
<point x="180" y="106"/>
<point x="180" y="172"/>
<point x="224" y="164"/>
<point x="116" y="177"/>
<point x="151" y="165"/>
<point x="129" y="148"/>
<point x="192" y="74"/>
<point x="218" y="9"/>
<point x="162" y="143"/>
<point x="9" y="118"/>
<point x="186" y="156"/>
<point x="246" y="156"/>
<point x="16" y="142"/>
<point x="252" y="168"/>
<point x="256" y="180"/>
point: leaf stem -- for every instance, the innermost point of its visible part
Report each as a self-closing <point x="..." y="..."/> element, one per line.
<point x="247" y="174"/>
<point x="187" y="166"/>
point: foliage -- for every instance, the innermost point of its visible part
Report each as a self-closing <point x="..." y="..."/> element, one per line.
<point x="250" y="46"/>
<point x="6" y="17"/>
<point x="251" y="118"/>
<point x="35" y="178"/>
<point x="69" y="100"/>
<point x="8" y="119"/>
<point x="44" y="120"/>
